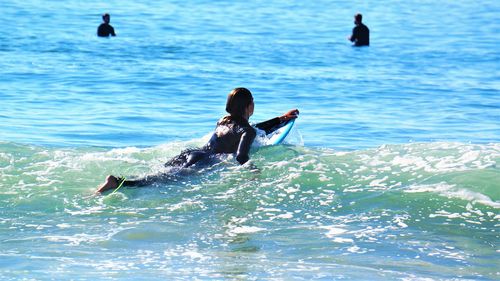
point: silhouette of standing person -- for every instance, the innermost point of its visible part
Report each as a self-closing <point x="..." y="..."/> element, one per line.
<point x="360" y="33"/>
<point x="105" y="29"/>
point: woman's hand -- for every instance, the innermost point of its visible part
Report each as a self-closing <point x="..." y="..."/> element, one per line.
<point x="292" y="114"/>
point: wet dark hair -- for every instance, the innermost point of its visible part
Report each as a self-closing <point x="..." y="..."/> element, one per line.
<point x="358" y="17"/>
<point x="237" y="102"/>
<point x="105" y="15"/>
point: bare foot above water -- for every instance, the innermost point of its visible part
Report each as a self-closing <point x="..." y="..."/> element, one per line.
<point x="110" y="183"/>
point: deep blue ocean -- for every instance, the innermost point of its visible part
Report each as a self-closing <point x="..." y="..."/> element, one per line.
<point x="392" y="171"/>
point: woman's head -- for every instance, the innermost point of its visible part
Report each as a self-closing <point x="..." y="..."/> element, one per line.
<point x="106" y="17"/>
<point x="240" y="103"/>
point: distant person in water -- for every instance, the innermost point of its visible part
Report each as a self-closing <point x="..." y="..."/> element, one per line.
<point x="233" y="135"/>
<point x="360" y="33"/>
<point x="105" y="29"/>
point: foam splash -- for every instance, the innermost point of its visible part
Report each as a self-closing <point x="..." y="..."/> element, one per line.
<point x="452" y="191"/>
<point x="420" y="201"/>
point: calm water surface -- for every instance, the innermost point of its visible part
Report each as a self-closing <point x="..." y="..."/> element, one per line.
<point x="391" y="173"/>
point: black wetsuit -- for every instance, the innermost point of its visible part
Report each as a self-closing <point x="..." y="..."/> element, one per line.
<point x="105" y="29"/>
<point x="230" y="136"/>
<point x="361" y="35"/>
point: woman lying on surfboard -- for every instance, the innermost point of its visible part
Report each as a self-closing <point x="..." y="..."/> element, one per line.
<point x="233" y="134"/>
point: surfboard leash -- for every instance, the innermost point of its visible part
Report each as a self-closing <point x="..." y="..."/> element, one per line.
<point x="120" y="185"/>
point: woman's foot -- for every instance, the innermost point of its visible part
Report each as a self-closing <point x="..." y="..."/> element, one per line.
<point x="110" y="183"/>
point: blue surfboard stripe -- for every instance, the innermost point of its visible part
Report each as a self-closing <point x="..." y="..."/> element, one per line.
<point x="282" y="133"/>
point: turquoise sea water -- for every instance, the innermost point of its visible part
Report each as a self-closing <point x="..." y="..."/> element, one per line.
<point x="391" y="172"/>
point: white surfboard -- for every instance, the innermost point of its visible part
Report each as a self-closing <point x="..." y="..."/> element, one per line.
<point x="278" y="135"/>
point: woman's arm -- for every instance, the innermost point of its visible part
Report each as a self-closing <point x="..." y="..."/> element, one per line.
<point x="246" y="141"/>
<point x="269" y="125"/>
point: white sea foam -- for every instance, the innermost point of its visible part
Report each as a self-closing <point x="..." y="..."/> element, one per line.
<point x="452" y="191"/>
<point x="378" y="182"/>
<point x="334" y="230"/>
<point x="247" y="229"/>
